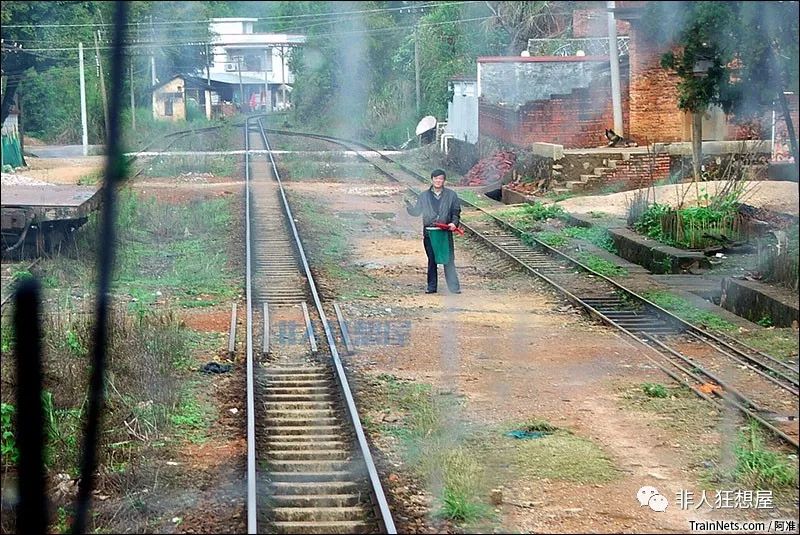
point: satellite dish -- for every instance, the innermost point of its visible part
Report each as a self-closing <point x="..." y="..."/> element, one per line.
<point x="428" y="122"/>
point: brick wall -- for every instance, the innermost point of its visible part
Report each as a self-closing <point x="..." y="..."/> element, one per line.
<point x="594" y="23"/>
<point x="635" y="172"/>
<point x="577" y="119"/>
<point x="654" y="113"/>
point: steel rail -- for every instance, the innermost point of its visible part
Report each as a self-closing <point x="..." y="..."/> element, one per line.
<point x="383" y="506"/>
<point x="659" y="312"/>
<point x="252" y="526"/>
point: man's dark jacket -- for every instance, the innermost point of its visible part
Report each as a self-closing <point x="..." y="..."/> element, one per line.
<point x="449" y="207"/>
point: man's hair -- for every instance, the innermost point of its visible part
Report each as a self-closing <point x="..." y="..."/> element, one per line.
<point x="437" y="172"/>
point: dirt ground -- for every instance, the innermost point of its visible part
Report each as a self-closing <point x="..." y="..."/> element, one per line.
<point x="771" y="194"/>
<point x="515" y="352"/>
<point x="62" y="170"/>
<point x="510" y="348"/>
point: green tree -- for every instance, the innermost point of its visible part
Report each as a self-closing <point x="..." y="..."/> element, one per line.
<point x="739" y="55"/>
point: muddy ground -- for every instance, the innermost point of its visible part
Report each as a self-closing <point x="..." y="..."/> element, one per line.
<point x="508" y="348"/>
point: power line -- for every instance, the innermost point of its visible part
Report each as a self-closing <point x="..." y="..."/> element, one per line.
<point x="259" y="19"/>
<point x="168" y="44"/>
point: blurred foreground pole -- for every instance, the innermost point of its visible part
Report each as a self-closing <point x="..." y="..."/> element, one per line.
<point x="114" y="173"/>
<point x="613" y="57"/>
<point x="32" y="510"/>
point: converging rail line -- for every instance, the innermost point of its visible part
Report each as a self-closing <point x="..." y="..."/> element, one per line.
<point x="758" y="385"/>
<point x="309" y="466"/>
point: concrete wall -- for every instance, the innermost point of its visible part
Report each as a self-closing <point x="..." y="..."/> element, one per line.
<point x="568" y="114"/>
<point x="462" y="111"/>
<point x="512" y="82"/>
<point x="174" y="90"/>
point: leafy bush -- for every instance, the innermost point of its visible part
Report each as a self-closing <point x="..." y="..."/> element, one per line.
<point x="8" y="443"/>
<point x="655" y="390"/>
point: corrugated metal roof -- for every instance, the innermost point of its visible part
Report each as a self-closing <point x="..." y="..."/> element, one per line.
<point x="233" y="78"/>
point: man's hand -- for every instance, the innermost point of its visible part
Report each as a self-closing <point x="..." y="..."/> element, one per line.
<point x="451" y="226"/>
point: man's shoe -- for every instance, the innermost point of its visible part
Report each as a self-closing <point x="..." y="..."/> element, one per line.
<point x="430" y="291"/>
<point x="455" y="291"/>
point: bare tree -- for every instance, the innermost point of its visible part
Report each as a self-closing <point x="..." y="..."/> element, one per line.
<point x="530" y="20"/>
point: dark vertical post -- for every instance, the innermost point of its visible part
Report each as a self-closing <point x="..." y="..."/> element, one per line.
<point x="32" y="512"/>
<point x="114" y="173"/>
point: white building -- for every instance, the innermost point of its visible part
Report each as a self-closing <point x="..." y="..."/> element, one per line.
<point x="256" y="64"/>
<point x="462" y="110"/>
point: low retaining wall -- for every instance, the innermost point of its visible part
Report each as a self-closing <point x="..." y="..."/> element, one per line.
<point x="756" y="301"/>
<point x="654" y="256"/>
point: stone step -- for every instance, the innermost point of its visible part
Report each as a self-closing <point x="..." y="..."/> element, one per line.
<point x="589" y="178"/>
<point x="600" y="171"/>
<point x="575" y="185"/>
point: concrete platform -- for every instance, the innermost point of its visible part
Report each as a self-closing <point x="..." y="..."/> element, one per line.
<point x="22" y="205"/>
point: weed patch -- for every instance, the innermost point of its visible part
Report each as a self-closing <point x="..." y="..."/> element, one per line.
<point x="602" y="266"/>
<point x="781" y="343"/>
<point x="596" y="235"/>
<point x="683" y="309"/>
<point x="551" y="238"/>
<point x="330" y="253"/>
<point x="758" y="467"/>
<point x="437" y="448"/>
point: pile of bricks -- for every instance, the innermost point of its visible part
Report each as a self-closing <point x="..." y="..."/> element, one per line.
<point x="490" y="169"/>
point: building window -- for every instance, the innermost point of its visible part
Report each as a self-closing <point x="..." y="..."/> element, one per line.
<point x="168" y="107"/>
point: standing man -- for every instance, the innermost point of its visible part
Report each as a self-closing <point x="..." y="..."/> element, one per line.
<point x="438" y="205"/>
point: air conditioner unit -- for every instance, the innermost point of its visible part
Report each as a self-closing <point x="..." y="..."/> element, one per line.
<point x="230" y="67"/>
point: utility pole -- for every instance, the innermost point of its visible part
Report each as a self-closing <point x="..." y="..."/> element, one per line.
<point x="102" y="78"/>
<point x="613" y="56"/>
<point x="85" y="135"/>
<point x="267" y="52"/>
<point x="208" y="67"/>
<point x="133" y="101"/>
<point x="152" y="55"/>
<point x="416" y="67"/>
<point x="241" y="87"/>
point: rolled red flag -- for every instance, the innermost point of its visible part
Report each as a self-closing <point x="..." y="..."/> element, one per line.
<point x="444" y="226"/>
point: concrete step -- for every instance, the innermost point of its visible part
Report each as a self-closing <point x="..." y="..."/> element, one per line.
<point x="312" y="528"/>
<point x="314" y="488"/>
<point x="304" y="430"/>
<point x="308" y="477"/>
<point x="311" y="442"/>
<point x="317" y="514"/>
<point x="296" y="405"/>
<point x="575" y="185"/>
<point x="590" y="178"/>
<point x="292" y="422"/>
<point x="300" y="412"/>
<point x="274" y="397"/>
<point x="308" y="465"/>
<point x="308" y="455"/>
<point x="316" y="500"/>
<point x="600" y="171"/>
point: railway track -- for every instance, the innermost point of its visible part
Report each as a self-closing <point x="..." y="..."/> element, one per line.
<point x="309" y="466"/>
<point x="721" y="369"/>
